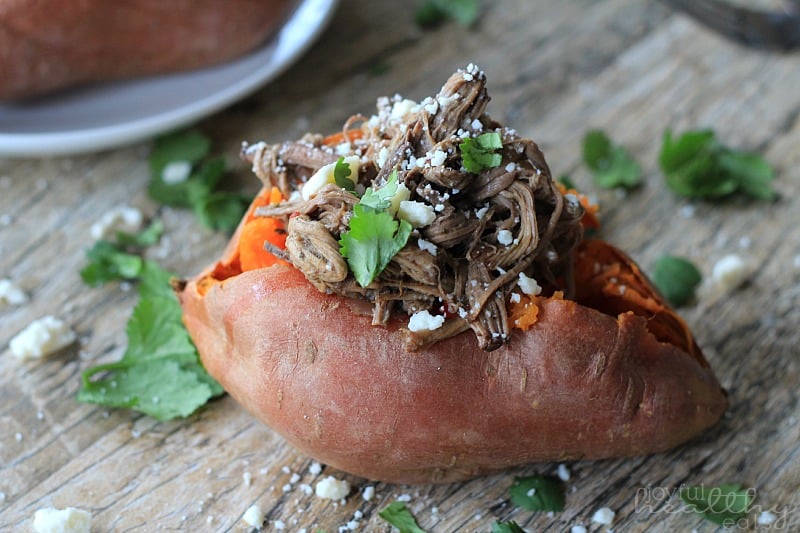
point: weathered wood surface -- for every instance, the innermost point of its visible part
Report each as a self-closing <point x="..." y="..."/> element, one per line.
<point x="555" y="69"/>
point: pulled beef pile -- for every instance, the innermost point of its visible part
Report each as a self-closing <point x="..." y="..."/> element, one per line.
<point x="495" y="234"/>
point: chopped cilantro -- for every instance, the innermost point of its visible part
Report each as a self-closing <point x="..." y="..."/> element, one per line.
<point x="538" y="493"/>
<point x="480" y="153"/>
<point x="676" y="278"/>
<point x="119" y="259"/>
<point x="433" y="12"/>
<point x="341" y="175"/>
<point x="214" y="209"/>
<point x="160" y="372"/>
<point x="696" y="165"/>
<point x="612" y="165"/>
<point x="724" y="505"/>
<point x="377" y="199"/>
<point x="507" y="527"/>
<point x="400" y="517"/>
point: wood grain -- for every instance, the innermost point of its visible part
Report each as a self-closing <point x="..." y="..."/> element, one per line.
<point x="555" y="70"/>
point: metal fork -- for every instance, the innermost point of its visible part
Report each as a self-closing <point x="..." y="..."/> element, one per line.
<point x="778" y="29"/>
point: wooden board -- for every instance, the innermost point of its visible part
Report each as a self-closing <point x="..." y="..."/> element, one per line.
<point x="555" y="70"/>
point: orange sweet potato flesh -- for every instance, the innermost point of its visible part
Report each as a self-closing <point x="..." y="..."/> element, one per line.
<point x="580" y="383"/>
<point x="46" y="45"/>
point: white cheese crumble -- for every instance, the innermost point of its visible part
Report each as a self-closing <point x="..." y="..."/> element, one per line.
<point x="69" y="520"/>
<point x="578" y="529"/>
<point x="427" y="246"/>
<point x="505" y="237"/>
<point x="369" y="493"/>
<point x="603" y="516"/>
<point x="10" y="294"/>
<point x="730" y="272"/>
<point x="515" y="297"/>
<point x="480" y="213"/>
<point x="383" y="155"/>
<point x="332" y="488"/>
<point x="766" y="518"/>
<point x="41" y="338"/>
<point x="401" y="195"/>
<point x="528" y="285"/>
<point x="315" y="469"/>
<point x="477" y="125"/>
<point x="424" y="321"/>
<point x="119" y="218"/>
<point x="563" y="473"/>
<point x="324" y="176"/>
<point x="176" y="172"/>
<point x="402" y="108"/>
<point x="253" y="516"/>
<point x="416" y="213"/>
<point x="438" y="158"/>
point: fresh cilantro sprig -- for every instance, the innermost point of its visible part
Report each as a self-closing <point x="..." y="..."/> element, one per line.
<point x="374" y="236"/>
<point x="433" y="12"/>
<point x="160" y="372"/>
<point x="341" y="175"/>
<point x="199" y="191"/>
<point x="724" y="505"/>
<point x="480" y="153"/>
<point x="398" y="515"/>
<point x="537" y="493"/>
<point x="612" y="165"/>
<point x="676" y="278"/>
<point x="506" y="527"/>
<point x="119" y="259"/>
<point x="696" y="165"/>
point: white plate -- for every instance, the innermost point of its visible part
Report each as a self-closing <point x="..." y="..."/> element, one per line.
<point x="120" y="113"/>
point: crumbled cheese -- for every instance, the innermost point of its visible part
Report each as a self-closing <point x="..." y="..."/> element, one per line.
<point x="69" y="520"/>
<point x="401" y="195"/>
<point x="10" y="294"/>
<point x="369" y="493"/>
<point x="427" y="246"/>
<point x="41" y="338"/>
<point x="477" y="125"/>
<point x="247" y="478"/>
<point x="511" y="167"/>
<point x="315" y="469"/>
<point x="480" y="213"/>
<point x="405" y="498"/>
<point x="119" y="218"/>
<point x="253" y="516"/>
<point x="415" y="213"/>
<point x="578" y="529"/>
<point x="730" y="272"/>
<point x="424" y="321"/>
<point x="176" y="172"/>
<point x="563" y="473"/>
<point x="528" y="285"/>
<point x="603" y="516"/>
<point x="383" y="155"/>
<point x="324" y="176"/>
<point x="430" y="105"/>
<point x="295" y="478"/>
<point x="344" y="148"/>
<point x="402" y="108"/>
<point x="437" y="158"/>
<point x="505" y="237"/>
<point x="279" y="525"/>
<point x="332" y="488"/>
<point x="766" y="518"/>
<point x="515" y="297"/>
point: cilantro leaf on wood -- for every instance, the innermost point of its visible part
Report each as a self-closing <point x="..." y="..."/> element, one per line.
<point x="373" y="239"/>
<point x="724" y="505"/>
<point x="696" y="165"/>
<point x="398" y="515"/>
<point x="480" y="153"/>
<point x="612" y="165"/>
<point x="538" y="493"/>
<point x="433" y="12"/>
<point x="160" y="372"/>
<point x="507" y="527"/>
<point x="119" y="259"/>
<point x="341" y="175"/>
<point x="676" y="278"/>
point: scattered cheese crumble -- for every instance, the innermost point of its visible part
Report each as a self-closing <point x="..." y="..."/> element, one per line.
<point x="424" y="321"/>
<point x="176" y="172"/>
<point x="69" y="520"/>
<point x="119" y="218"/>
<point x="505" y="237"/>
<point x="369" y="493"/>
<point x="10" y="294"/>
<point x="528" y="285"/>
<point x="766" y="518"/>
<point x="332" y="488"/>
<point x="730" y="272"/>
<point x="604" y="516"/>
<point x="253" y="516"/>
<point x="563" y="473"/>
<point x="41" y="338"/>
<point x="416" y="213"/>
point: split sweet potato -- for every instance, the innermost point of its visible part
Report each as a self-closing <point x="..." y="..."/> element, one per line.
<point x="46" y="45"/>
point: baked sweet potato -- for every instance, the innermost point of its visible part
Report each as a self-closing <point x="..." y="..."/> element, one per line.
<point x="46" y="45"/>
<point x="587" y="363"/>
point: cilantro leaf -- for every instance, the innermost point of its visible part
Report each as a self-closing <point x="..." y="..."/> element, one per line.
<point x="696" y="165"/>
<point x="612" y="165"/>
<point x="160" y="372"/>
<point x="676" y="278"/>
<point x="116" y="260"/>
<point x="373" y="239"/>
<point x="381" y="198"/>
<point x="147" y="237"/>
<point x="432" y="12"/>
<point x="724" y="505"/>
<point x="507" y="527"/>
<point x="538" y="493"/>
<point x="479" y="153"/>
<point x="341" y="175"/>
<point x="400" y="517"/>
<point x="221" y="210"/>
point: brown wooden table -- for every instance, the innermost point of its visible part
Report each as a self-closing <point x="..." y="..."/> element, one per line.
<point x="555" y="70"/>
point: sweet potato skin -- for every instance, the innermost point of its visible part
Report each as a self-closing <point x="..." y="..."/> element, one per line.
<point x="47" y="45"/>
<point x="579" y="384"/>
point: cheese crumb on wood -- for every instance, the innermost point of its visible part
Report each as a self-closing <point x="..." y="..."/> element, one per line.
<point x="41" y="338"/>
<point x="69" y="520"/>
<point x="604" y="516"/>
<point x="253" y="516"/>
<point x="120" y="218"/>
<point x="10" y="294"/>
<point x="332" y="489"/>
<point x="176" y="172"/>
